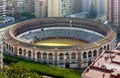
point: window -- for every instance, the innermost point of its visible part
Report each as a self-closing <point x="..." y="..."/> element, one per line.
<point x="7" y="46"/>
<point x="67" y="56"/>
<point x="29" y="53"/>
<point x="94" y="53"/>
<point x="61" y="63"/>
<point x="101" y="49"/>
<point x="20" y="51"/>
<point x="50" y="56"/>
<point x="84" y="55"/>
<point x="89" y="54"/>
<point x="44" y="55"/>
<point x="11" y="49"/>
<point x="104" y="47"/>
<point x="24" y="52"/>
<point x="38" y="55"/>
<point x="108" y="47"/>
<point x="61" y="56"/>
<point x="73" y="56"/>
<point x="73" y="63"/>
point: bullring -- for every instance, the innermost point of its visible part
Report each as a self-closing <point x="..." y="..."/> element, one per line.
<point x="98" y="36"/>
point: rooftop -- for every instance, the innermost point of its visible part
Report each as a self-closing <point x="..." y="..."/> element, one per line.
<point x="107" y="65"/>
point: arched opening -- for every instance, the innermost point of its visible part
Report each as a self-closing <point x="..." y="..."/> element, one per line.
<point x="73" y="56"/>
<point x="104" y="47"/>
<point x="12" y="49"/>
<point x="29" y="53"/>
<point x="61" y="56"/>
<point x="67" y="56"/>
<point x="101" y="50"/>
<point x="89" y="54"/>
<point x="84" y="55"/>
<point x="108" y="47"/>
<point x="67" y="65"/>
<point x="20" y="51"/>
<point x="38" y="55"/>
<point x="50" y="56"/>
<point x="7" y="46"/>
<point x="24" y="52"/>
<point x="44" y="55"/>
<point x="95" y="53"/>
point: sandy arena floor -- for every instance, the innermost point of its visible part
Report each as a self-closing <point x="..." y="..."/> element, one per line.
<point x="59" y="42"/>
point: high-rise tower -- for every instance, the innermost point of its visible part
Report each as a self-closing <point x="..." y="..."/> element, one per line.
<point x="2" y="9"/>
<point x="40" y="8"/>
<point x="114" y="12"/>
<point x="99" y="5"/>
<point x="60" y="8"/>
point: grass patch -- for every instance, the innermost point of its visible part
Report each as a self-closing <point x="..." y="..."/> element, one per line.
<point x="42" y="69"/>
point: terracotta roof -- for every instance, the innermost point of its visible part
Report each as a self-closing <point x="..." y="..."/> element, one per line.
<point x="107" y="65"/>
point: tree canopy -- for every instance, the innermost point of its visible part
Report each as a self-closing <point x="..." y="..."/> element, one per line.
<point x="18" y="71"/>
<point x="92" y="13"/>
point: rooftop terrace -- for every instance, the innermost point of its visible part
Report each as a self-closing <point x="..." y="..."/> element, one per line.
<point x="107" y="65"/>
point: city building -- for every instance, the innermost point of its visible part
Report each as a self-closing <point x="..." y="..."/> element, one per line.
<point x="86" y="5"/>
<point x="16" y="7"/>
<point x="101" y="18"/>
<point x="114" y="12"/>
<point x="4" y="19"/>
<point x="70" y="6"/>
<point x="102" y="6"/>
<point x="31" y="6"/>
<point x="78" y="6"/>
<point x="99" y="5"/>
<point x="107" y="65"/>
<point x="60" y="8"/>
<point x="9" y="7"/>
<point x="2" y="9"/>
<point x="40" y="8"/>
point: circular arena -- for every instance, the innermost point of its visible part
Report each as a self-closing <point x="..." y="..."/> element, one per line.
<point x="63" y="42"/>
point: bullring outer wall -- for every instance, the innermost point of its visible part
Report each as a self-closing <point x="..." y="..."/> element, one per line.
<point x="69" y="56"/>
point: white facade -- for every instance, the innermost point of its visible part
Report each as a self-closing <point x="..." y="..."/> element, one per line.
<point x="60" y="8"/>
<point x="40" y="8"/>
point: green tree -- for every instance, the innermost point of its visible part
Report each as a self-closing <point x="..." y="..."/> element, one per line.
<point x="18" y="71"/>
<point x="28" y="15"/>
<point x="92" y="13"/>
